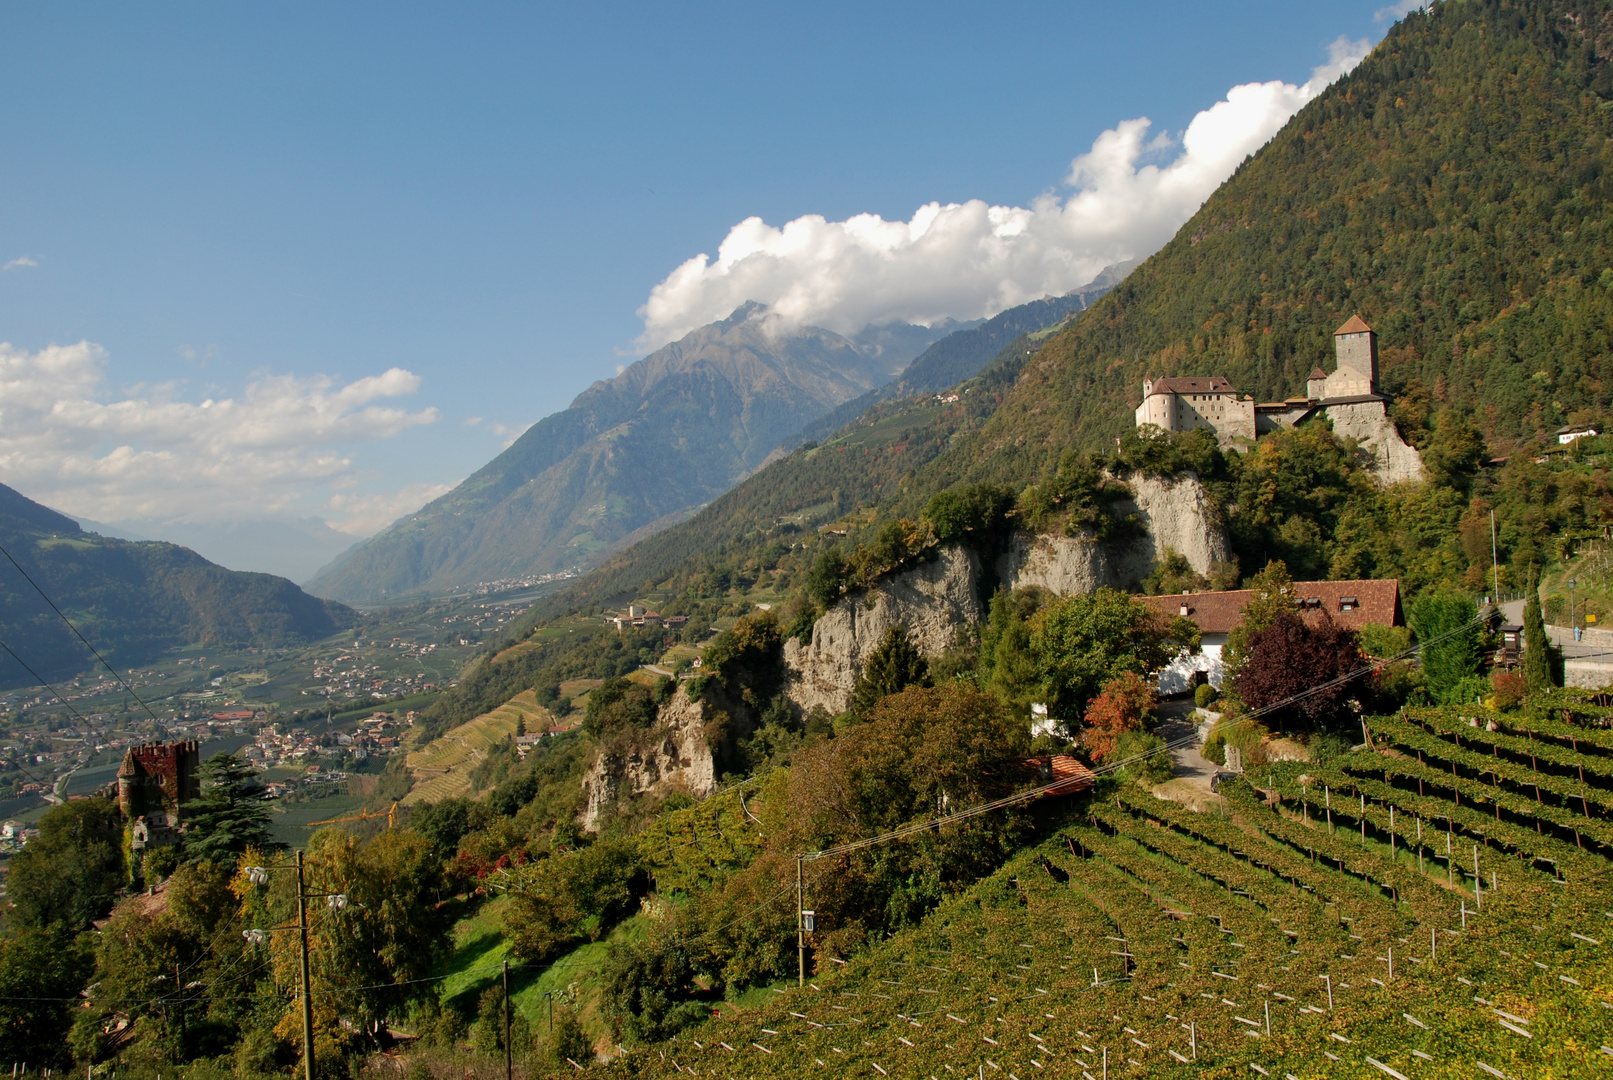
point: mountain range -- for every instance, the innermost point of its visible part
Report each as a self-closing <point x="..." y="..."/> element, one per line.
<point x="133" y="599"/>
<point x="1456" y="190"/>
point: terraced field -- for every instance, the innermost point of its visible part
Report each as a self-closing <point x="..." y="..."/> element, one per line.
<point x="443" y="766"/>
<point x="1327" y="922"/>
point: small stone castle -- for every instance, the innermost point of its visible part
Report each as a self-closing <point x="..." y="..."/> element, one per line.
<point x="153" y="782"/>
<point x="1349" y="397"/>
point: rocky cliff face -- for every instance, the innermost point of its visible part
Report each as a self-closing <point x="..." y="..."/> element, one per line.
<point x="932" y="600"/>
<point x="672" y="757"/>
<point x="1368" y="423"/>
<point x="935" y="599"/>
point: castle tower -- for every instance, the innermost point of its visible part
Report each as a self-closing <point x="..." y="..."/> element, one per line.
<point x="1356" y="347"/>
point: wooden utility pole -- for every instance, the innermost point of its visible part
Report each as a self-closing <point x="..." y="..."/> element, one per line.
<point x="307" y="1000"/>
<point x="800" y="927"/>
<point x="509" y="1061"/>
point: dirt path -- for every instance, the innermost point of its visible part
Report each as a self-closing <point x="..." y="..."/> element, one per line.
<point x="1178" y="723"/>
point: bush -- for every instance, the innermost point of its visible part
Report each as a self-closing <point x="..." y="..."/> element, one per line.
<point x="1384" y="641"/>
<point x="1509" y="689"/>
<point x="1147" y="759"/>
<point x="1205" y="696"/>
<point x="1470" y="690"/>
<point x="569" y="1043"/>
<point x="1122" y="708"/>
<point x="1327" y="746"/>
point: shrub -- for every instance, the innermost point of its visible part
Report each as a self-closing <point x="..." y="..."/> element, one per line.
<point x="569" y="1043"/>
<point x="1124" y="705"/>
<point x="1147" y="760"/>
<point x="1509" y="689"/>
<point x="1470" y="690"/>
<point x="1384" y="641"/>
<point x="1205" y="696"/>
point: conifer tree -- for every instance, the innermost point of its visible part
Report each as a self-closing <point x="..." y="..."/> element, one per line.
<point x="229" y="817"/>
<point x="1536" y="646"/>
<point x="893" y="667"/>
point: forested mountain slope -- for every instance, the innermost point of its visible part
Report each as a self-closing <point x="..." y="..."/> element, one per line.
<point x="133" y="600"/>
<point x="961" y="355"/>
<point x="1454" y="190"/>
<point x="672" y="432"/>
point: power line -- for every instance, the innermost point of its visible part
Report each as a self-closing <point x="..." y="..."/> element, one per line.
<point x="76" y="633"/>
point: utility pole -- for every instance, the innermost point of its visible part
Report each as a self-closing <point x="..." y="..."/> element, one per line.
<point x="307" y="1000"/>
<point x="1495" y="560"/>
<point x="509" y="1061"/>
<point x="800" y="927"/>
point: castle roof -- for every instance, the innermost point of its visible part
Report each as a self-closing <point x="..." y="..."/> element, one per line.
<point x="1356" y="325"/>
<point x="1193" y="384"/>
<point x="1318" y="373"/>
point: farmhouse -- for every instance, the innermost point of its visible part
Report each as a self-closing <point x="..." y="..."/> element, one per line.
<point x="1351" y="604"/>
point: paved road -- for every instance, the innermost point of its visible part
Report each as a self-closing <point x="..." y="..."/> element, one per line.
<point x="1562" y="636"/>
<point x="1176" y="721"/>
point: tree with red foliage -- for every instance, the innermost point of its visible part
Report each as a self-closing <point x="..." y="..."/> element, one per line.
<point x="1123" y="705"/>
<point x="1293" y="655"/>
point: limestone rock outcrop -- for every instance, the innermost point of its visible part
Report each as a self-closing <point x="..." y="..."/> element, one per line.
<point x="1368" y="423"/>
<point x="932" y="600"/>
<point x="671" y="757"/>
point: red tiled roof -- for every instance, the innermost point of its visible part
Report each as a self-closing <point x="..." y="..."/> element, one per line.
<point x="1064" y="774"/>
<point x="1318" y="373"/>
<point x="1351" y="604"/>
<point x="1356" y="325"/>
<point x="1193" y="384"/>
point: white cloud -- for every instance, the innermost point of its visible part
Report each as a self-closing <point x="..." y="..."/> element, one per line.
<point x="968" y="260"/>
<point x="150" y="454"/>
<point x="1397" y="10"/>
<point x="364" y="515"/>
<point x="19" y="263"/>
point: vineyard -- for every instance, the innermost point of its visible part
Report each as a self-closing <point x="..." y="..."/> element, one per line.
<point x="1436" y="905"/>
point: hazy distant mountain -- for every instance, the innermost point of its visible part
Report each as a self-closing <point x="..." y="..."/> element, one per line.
<point x="644" y="449"/>
<point x="133" y="599"/>
<point x="292" y="548"/>
<point x="962" y="354"/>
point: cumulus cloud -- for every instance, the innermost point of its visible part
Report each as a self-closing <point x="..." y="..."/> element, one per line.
<point x="151" y="454"/>
<point x="1398" y="10"/>
<point x="364" y="515"/>
<point x="19" y="263"/>
<point x="968" y="260"/>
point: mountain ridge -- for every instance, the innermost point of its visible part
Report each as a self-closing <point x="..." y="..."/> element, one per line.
<point x="664" y="437"/>
<point x="133" y="599"/>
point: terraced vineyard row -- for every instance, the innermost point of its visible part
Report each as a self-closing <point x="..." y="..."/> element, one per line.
<point x="1146" y="939"/>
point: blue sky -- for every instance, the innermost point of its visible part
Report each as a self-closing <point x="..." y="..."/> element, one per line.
<point x="261" y="205"/>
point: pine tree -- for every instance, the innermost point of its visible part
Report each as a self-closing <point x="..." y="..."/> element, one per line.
<point x="229" y="817"/>
<point x="891" y="668"/>
<point x="1536" y="646"/>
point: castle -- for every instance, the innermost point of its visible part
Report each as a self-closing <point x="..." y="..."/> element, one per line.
<point x="153" y="782"/>
<point x="1349" y="397"/>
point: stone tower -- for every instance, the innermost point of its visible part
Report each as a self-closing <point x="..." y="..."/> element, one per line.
<point x="154" y="780"/>
<point x="1356" y="347"/>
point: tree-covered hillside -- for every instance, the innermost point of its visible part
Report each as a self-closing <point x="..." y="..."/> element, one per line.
<point x="1454" y="190"/>
<point x="133" y="600"/>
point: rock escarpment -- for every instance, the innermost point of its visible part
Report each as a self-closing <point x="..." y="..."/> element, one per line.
<point x="1368" y="423"/>
<point x="936" y="598"/>
<point x="932" y="600"/>
<point x="672" y="757"/>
